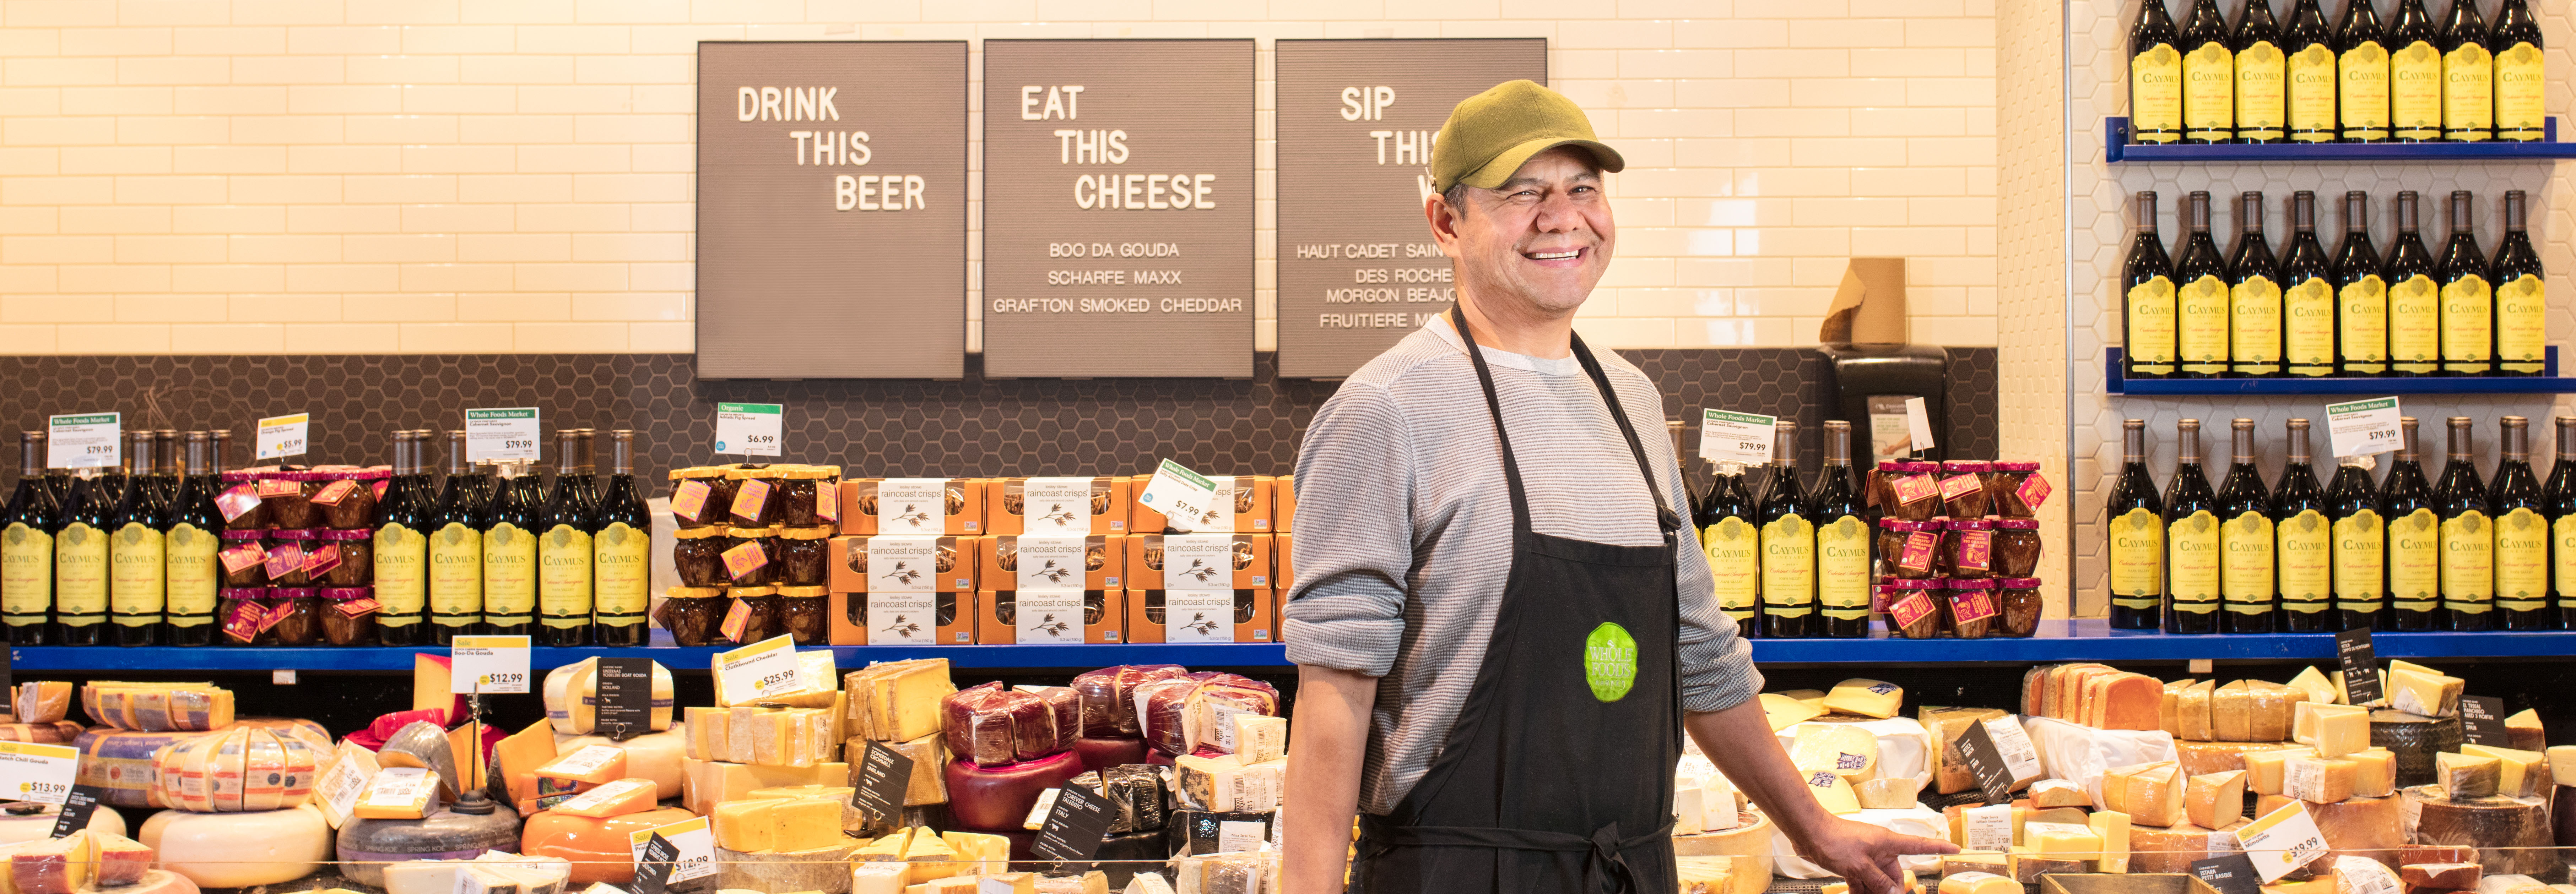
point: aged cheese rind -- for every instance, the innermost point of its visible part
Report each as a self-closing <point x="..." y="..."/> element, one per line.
<point x="2172" y="849"/>
<point x="1948" y="726"/>
<point x="2511" y="834"/>
<point x="1868" y="698"/>
<point x="2519" y="772"/>
<point x="2215" y="800"/>
<point x="2464" y="776"/>
<point x="2357" y="827"/>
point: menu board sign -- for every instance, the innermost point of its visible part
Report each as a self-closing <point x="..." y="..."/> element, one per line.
<point x="1118" y="208"/>
<point x="831" y="201"/>
<point x="1357" y="118"/>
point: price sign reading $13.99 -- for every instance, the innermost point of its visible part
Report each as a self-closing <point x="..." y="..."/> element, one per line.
<point x="2364" y="427"/>
<point x="760" y="670"/>
<point x="503" y="433"/>
<point x="40" y="773"/>
<point x="748" y="429"/>
<point x="1726" y="436"/>
<point x="488" y="664"/>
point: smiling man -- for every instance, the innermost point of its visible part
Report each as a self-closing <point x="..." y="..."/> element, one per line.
<point x="1500" y="624"/>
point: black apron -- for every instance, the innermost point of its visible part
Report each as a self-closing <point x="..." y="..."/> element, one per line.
<point x="1558" y="776"/>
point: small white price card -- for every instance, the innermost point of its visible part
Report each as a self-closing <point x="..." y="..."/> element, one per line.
<point x="283" y="436"/>
<point x="1181" y="495"/>
<point x="747" y="429"/>
<point x="84" y="440"/>
<point x="2281" y="841"/>
<point x="502" y="433"/>
<point x="2014" y="744"/>
<point x="1918" y="424"/>
<point x="2364" y="427"/>
<point x="39" y="773"/>
<point x="760" y="670"/>
<point x="488" y="664"/>
<point x="1730" y="437"/>
<point x="697" y="846"/>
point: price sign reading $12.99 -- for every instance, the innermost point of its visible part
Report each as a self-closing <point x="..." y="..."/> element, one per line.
<point x="40" y="773"/>
<point x="488" y="664"/>
<point x="503" y="433"/>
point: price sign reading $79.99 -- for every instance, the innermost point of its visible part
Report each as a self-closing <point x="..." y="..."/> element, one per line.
<point x="488" y="664"/>
<point x="748" y="429"/>
<point x="1736" y="437"/>
<point x="2364" y="427"/>
<point x="40" y="773"/>
<point x="84" y="440"/>
<point x="503" y="433"/>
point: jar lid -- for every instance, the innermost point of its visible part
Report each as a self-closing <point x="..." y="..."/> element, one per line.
<point x="239" y="475"/>
<point x="803" y="473"/>
<point x="744" y="472"/>
<point x="1910" y="583"/>
<point x="1970" y="524"/>
<point x="806" y="533"/>
<point x="302" y="476"/>
<point x="242" y="535"/>
<point x="693" y="592"/>
<point x="1968" y="465"/>
<point x="339" y="534"/>
<point x="1918" y="466"/>
<point x="346" y="594"/>
<point x="369" y="473"/>
<point x="697" y="472"/>
<point x="697" y="533"/>
<point x="1888" y="465"/>
<point x="750" y="533"/>
<point x="290" y="593"/>
<point x="2017" y="524"/>
<point x="749" y="592"/>
<point x="293" y="533"/>
<point x="2018" y="583"/>
<point x="804" y="592"/>
<point x="1969" y="583"/>
<point x="2016" y="467"/>
<point x="1893" y="523"/>
<point x="243" y="593"/>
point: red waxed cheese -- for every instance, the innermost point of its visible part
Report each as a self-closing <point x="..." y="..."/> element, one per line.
<point x="1165" y="707"/>
<point x="597" y="846"/>
<point x="983" y="798"/>
<point x="1102" y="754"/>
<point x="992" y="726"/>
<point x="1064" y="713"/>
<point x="1109" y="697"/>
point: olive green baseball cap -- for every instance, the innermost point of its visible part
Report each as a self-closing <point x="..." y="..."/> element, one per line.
<point x="1489" y="135"/>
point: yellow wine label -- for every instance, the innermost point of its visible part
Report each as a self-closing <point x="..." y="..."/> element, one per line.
<point x="80" y="575"/>
<point x="2151" y="326"/>
<point x="190" y="575"/>
<point x="2254" y="324"/>
<point x="26" y="574"/>
<point x="2209" y="92"/>
<point x="2137" y="560"/>
<point x="2304" y="550"/>
<point x="509" y="574"/>
<point x="2361" y="313"/>
<point x="2415" y="92"/>
<point x="402" y="566"/>
<point x="2521" y="325"/>
<point x="2468" y="94"/>
<point x="1788" y="566"/>
<point x="456" y="574"/>
<point x="2522" y="561"/>
<point x="2261" y="95"/>
<point x="2155" y="94"/>
<point x="2362" y="101"/>
<point x="563" y="576"/>
<point x="2245" y="572"/>
<point x="2312" y="94"/>
<point x="2415" y="324"/>
<point x="2307" y="333"/>
<point x="2468" y="563"/>
<point x="2202" y="340"/>
<point x="2562" y="552"/>
<point x="2193" y="558"/>
<point x="1842" y="568"/>
<point x="2468" y="323"/>
<point x="2415" y="561"/>
<point x="2361" y="561"/>
<point x="2519" y="81"/>
<point x="137" y="566"/>
<point x="622" y="571"/>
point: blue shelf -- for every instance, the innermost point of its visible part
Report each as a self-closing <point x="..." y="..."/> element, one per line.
<point x="680" y="658"/>
<point x="2094" y="640"/>
<point x="2547" y="382"/>
<point x="2117" y="149"/>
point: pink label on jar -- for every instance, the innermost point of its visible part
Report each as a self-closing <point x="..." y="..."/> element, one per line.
<point x="1915" y="487"/>
<point x="284" y="559"/>
<point x="1910" y="609"/>
<point x="827" y="500"/>
<point x="279" y="488"/>
<point x="736" y="619"/>
<point x="689" y="499"/>
<point x="242" y="557"/>
<point x="275" y="614"/>
<point x="1971" y="605"/>
<point x="1918" y="551"/>
<point x="747" y="501"/>
<point x="380" y="486"/>
<point x="358" y="608"/>
<point x="1957" y="486"/>
<point x="243" y="623"/>
<point x="1975" y="548"/>
<point x="334" y="492"/>
<point x="321" y="561"/>
<point x="745" y="559"/>
<point x="2034" y="491"/>
<point x="236" y="500"/>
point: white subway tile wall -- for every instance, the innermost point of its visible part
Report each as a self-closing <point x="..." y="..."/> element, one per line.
<point x="495" y="176"/>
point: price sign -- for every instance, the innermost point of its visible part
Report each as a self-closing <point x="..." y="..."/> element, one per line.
<point x="2281" y="841"/>
<point x="76" y="811"/>
<point x="1918" y="425"/>
<point x="84" y="440"/>
<point x="2360" y="666"/>
<point x="1986" y="763"/>
<point x="654" y="863"/>
<point x="748" y="429"/>
<point x="505" y="433"/>
<point x="2229" y="873"/>
<point x="669" y="855"/>
<point x="884" y="775"/>
<point x="39" y="773"/>
<point x="1726" y="436"/>
<point x="2364" y="427"/>
<point x="625" y="697"/>
<point x="2482" y="721"/>
<point x="1073" y="830"/>
<point x="282" y="436"/>
<point x="760" y="670"/>
<point x="1181" y="495"/>
<point x="488" y="664"/>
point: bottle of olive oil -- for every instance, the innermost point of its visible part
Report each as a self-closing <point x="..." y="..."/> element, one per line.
<point x="2468" y="76"/>
<point x="1842" y="541"/>
<point x="2360" y="546"/>
<point x="1732" y="541"/>
<point x="2137" y="537"/>
<point x="2246" y="572"/>
<point x="2253" y="297"/>
<point x="2521" y="535"/>
<point x="2415" y="75"/>
<point x="2560" y="496"/>
<point x="2468" y="535"/>
<point x="80" y="558"/>
<point x="2361" y="295"/>
<point x="403" y="522"/>
<point x="2468" y="303"/>
<point x="2147" y="334"/>
<point x="2304" y="541"/>
<point x="621" y="565"/>
<point x="2414" y="538"/>
<point x="2201" y="296"/>
<point x="138" y="553"/>
<point x="510" y="526"/>
<point x="2520" y="74"/>
<point x="2208" y="77"/>
<point x="193" y="528"/>
<point x="2262" y="74"/>
<point x="2193" y="545"/>
<point x="2307" y="295"/>
<point x="2311" y="48"/>
<point x="2155" y="76"/>
<point x="564" y="552"/>
<point x="1788" y="545"/>
<point x="2521" y="297"/>
<point x="456" y="550"/>
<point x="2414" y="298"/>
<point x="2361" y="66"/>
<point x="27" y="547"/>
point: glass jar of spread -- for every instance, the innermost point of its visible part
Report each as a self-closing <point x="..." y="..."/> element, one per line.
<point x="753" y="616"/>
<point x="755" y="497"/>
<point x="286" y="553"/>
<point x="2017" y="598"/>
<point x="244" y="558"/>
<point x="1968" y="551"/>
<point x="1906" y="549"/>
<point x="1969" y="606"/>
<point x="349" y="616"/>
<point x="1910" y="612"/>
<point x="694" y="615"/>
<point x="807" y="614"/>
<point x="242" y="610"/>
<point x="342" y="559"/>
<point x="1913" y="491"/>
<point x="700" y="496"/>
<point x="802" y="498"/>
<point x="295" y="615"/>
<point x="804" y="557"/>
<point x="698" y="555"/>
<point x="1963" y="487"/>
<point x="239" y="502"/>
<point x="347" y="498"/>
<point x="2016" y="547"/>
<point x="2017" y="490"/>
<point x="751" y="556"/>
<point x="289" y="496"/>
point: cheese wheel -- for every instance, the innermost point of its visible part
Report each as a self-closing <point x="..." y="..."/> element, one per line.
<point x="2512" y="835"/>
<point x="39" y="825"/>
<point x="2371" y="828"/>
<point x="244" y="768"/>
<point x="370" y="845"/>
<point x="1747" y="848"/>
<point x="2414" y="739"/>
<point x="597" y="846"/>
<point x="572" y="697"/>
<point x="998" y="798"/>
<point x="239" y="850"/>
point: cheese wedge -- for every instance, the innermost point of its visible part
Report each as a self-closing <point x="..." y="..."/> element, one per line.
<point x="2263" y="768"/>
<point x="1895" y="793"/>
<point x="2319" y="689"/>
<point x="878" y="878"/>
<point x="398" y="793"/>
<point x="1785" y="712"/>
<point x="2338" y="729"/>
<point x="1832" y="791"/>
<point x="2374" y="773"/>
<point x="2155" y="796"/>
<point x="2465" y="776"/>
<point x="2522" y="773"/>
<point x="2524" y="732"/>
<point x="2192" y="712"/>
<point x="2058" y="793"/>
<point x="1841" y="748"/>
<point x="1978" y="883"/>
<point x="746" y="825"/>
<point x="2112" y="827"/>
<point x="617" y="798"/>
<point x="594" y="764"/>
<point x="1868" y="698"/>
<point x="2215" y="800"/>
<point x="2424" y="693"/>
<point x="1815" y="698"/>
<point x="2318" y="780"/>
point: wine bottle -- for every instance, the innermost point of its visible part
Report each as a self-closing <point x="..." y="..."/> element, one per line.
<point x="2262" y="74"/>
<point x="2520" y="74"/>
<point x="2155" y="76"/>
<point x="2193" y="548"/>
<point x="1788" y="545"/>
<point x="2361" y="70"/>
<point x="2208" y="77"/>
<point x="2311" y="51"/>
<point x="2246" y="573"/>
<point x="1733" y="544"/>
<point x="510" y="550"/>
<point x="402" y="521"/>
<point x="2253" y="297"/>
<point x="456" y="550"/>
<point x="2414" y="298"/>
<point x="2361" y="296"/>
<point x="2468" y="304"/>
<point x="2201" y="297"/>
<point x="80" y="558"/>
<point x="2137" y="537"/>
<point x="2360" y="546"/>
<point x="2307" y="295"/>
<point x="564" y="551"/>
<point x="2414" y="76"/>
<point x="165" y="463"/>
<point x="2560" y="497"/>
<point x="27" y="548"/>
<point x="586" y="470"/>
<point x="2521" y="535"/>
<point x="621" y="563"/>
<point x="2414" y="538"/>
<point x="2468" y="535"/>
<point x="1842" y="541"/>
<point x="2468" y="76"/>
<point x="2521" y="297"/>
<point x="138" y="552"/>
<point x="2147" y="334"/>
<point x="192" y="528"/>
<point x="2303" y="542"/>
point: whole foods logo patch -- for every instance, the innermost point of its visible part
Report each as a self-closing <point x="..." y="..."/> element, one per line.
<point x="1610" y="662"/>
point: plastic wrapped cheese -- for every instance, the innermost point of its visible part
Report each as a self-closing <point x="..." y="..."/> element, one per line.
<point x="572" y="697"/>
<point x="1064" y="709"/>
<point x="993" y="726"/>
<point x="2080" y="753"/>
<point x="245" y="768"/>
<point x="43" y="701"/>
<point x="1108" y="697"/>
<point x="1903" y="747"/>
<point x="1917" y="820"/>
<point x="2512" y="835"/>
<point x="158" y="706"/>
<point x="1177" y="714"/>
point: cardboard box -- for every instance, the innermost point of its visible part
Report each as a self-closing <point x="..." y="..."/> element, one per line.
<point x="1284" y="498"/>
<point x="1252" y="507"/>
<point x="1282" y="548"/>
<point x="1101" y="561"/>
<point x="1198" y="560"/>
<point x="925" y="506"/>
<point x="1201" y="618"/>
<point x="951" y="619"/>
<point x="1105" y="511"/>
<point x="950" y="562"/>
<point x="1103" y="616"/>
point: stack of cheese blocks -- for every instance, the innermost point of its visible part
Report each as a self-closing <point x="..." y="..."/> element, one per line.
<point x="2050" y="832"/>
<point x="1244" y="771"/>
<point x="939" y="861"/>
<point x="1229" y="873"/>
<point x="491" y="872"/>
<point x="2093" y="695"/>
<point x="1839" y="763"/>
<point x="791" y="738"/>
<point x="86" y="860"/>
<point x="896" y="704"/>
<point x="2284" y="743"/>
<point x="2491" y="802"/>
<point x="783" y="844"/>
<point x="38" y="714"/>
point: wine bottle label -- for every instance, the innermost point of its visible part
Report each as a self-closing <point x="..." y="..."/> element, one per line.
<point x="1788" y="567"/>
<point x="2415" y="324"/>
<point x="2361" y="311"/>
<point x="2518" y="85"/>
<point x="563" y="577"/>
<point x="1842" y="568"/>
<point x="2312" y="94"/>
<point x="2209" y="93"/>
<point x="189" y="574"/>
<point x="2521" y="324"/>
<point x="2245" y="574"/>
<point x="455" y="574"/>
<point x="2362" y="102"/>
<point x="26" y="574"/>
<point x="2468" y="324"/>
<point x="2415" y="561"/>
<point x="509" y="574"/>
<point x="2562" y="556"/>
<point x="2468" y="94"/>
<point x="2304" y="549"/>
<point x="137" y="562"/>
<point x="2254" y="325"/>
<point x="2137" y="559"/>
<point x="2415" y="92"/>
<point x="402" y="559"/>
<point x="2261" y="96"/>
<point x="2521" y="561"/>
<point x="2193" y="557"/>
<point x="80" y="575"/>
<point x="2308" y="338"/>
<point x="2360" y="562"/>
<point x="622" y="573"/>
<point x="2468" y="563"/>
<point x="2151" y="326"/>
<point x="2155" y="94"/>
<point x="2202" y="339"/>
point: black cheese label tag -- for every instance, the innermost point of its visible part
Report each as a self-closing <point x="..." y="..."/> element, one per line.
<point x="1986" y="763"/>
<point x="77" y="808"/>
<point x="883" y="777"/>
<point x="2482" y="721"/>
<point x="625" y="700"/>
<point x="2360" y="666"/>
<point x="1073" y="830"/>
<point x="2229" y="873"/>
<point x="653" y="867"/>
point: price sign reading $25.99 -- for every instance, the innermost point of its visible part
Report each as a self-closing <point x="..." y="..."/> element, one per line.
<point x="488" y="664"/>
<point x="40" y="773"/>
<point x="1726" y="436"/>
<point x="503" y="433"/>
<point x="748" y="429"/>
<point x="760" y="670"/>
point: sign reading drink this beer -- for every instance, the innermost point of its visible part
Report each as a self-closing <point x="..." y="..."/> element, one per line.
<point x="831" y="209"/>
<point x="1118" y="208"/>
<point x="1357" y="118"/>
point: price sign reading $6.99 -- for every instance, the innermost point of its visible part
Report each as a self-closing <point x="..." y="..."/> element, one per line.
<point x="40" y="773"/>
<point x="748" y="429"/>
<point x="504" y="433"/>
<point x="488" y="664"/>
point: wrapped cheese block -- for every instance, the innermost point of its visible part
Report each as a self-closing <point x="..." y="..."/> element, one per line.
<point x="421" y="744"/>
<point x="239" y="850"/>
<point x="55" y="733"/>
<point x="572" y="697"/>
<point x="122" y="765"/>
<point x="42" y="701"/>
<point x="993" y="726"/>
<point x="241" y="769"/>
<point x="1108" y="697"/>
<point x="1064" y="707"/>
<point x="158" y="706"/>
<point x="1176" y="714"/>
<point x="1949" y="766"/>
<point x="654" y="756"/>
<point x="2512" y="835"/>
<point x="996" y="799"/>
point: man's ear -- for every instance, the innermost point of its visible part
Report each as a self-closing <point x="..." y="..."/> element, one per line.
<point x="1443" y="218"/>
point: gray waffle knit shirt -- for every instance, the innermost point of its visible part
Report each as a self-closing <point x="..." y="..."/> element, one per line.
<point x="1404" y="531"/>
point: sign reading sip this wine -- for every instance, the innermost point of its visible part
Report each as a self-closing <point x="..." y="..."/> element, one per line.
<point x="831" y="209"/>
<point x="1118" y="208"/>
<point x="1357" y="118"/>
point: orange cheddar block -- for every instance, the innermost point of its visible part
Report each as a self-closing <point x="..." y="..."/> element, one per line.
<point x="619" y="798"/>
<point x="2129" y="701"/>
<point x="594" y="764"/>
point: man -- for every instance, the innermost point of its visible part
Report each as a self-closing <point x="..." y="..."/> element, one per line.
<point x="1501" y="626"/>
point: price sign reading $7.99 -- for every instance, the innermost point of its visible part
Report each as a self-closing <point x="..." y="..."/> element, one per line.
<point x="40" y="773"/>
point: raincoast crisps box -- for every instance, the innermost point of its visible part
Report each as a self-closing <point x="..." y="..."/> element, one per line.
<point x="918" y="506"/>
<point x="1156" y="561"/>
<point x="1079" y="505"/>
<point x="1050" y="617"/>
<point x="1201" y="616"/>
<point x="896" y="563"/>
<point x="908" y="619"/>
<point x="1250" y="513"/>
<point x="1044" y="589"/>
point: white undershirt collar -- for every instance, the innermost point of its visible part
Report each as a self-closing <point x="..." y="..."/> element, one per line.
<point x="1562" y="366"/>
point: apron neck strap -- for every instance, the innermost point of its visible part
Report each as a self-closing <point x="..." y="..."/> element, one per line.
<point x="1665" y="518"/>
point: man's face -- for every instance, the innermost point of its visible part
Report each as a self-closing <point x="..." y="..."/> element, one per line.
<point x="1541" y="240"/>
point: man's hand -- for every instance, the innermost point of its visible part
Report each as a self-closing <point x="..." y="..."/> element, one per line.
<point x="1739" y="740"/>
<point x="1863" y="854"/>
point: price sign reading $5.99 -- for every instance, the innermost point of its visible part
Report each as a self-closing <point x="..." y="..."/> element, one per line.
<point x="488" y="664"/>
<point x="760" y="670"/>
<point x="748" y="429"/>
<point x="504" y="433"/>
<point x="40" y="773"/>
<point x="283" y="436"/>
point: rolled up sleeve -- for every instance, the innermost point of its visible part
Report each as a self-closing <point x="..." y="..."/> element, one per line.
<point x="1354" y="549"/>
